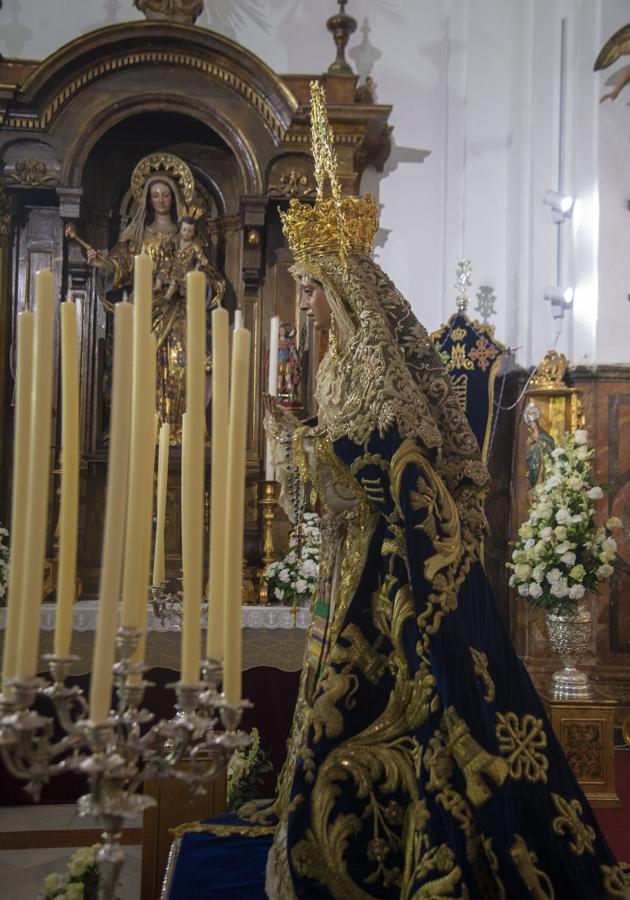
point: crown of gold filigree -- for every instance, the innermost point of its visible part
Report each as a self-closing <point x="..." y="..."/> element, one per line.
<point x="335" y="224"/>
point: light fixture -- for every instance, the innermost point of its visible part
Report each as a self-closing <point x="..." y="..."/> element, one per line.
<point x="561" y="205"/>
<point x="561" y="298"/>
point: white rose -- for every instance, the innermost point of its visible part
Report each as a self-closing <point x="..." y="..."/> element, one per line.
<point x="283" y="575"/>
<point x="563" y="516"/>
<point x="546" y="533"/>
<point x="563" y="547"/>
<point x="560" y="532"/>
<point x="595" y="493"/>
<point x="613" y="522"/>
<point x="557" y="452"/>
<point x="604" y="571"/>
<point x="576" y="592"/>
<point x="535" y="590"/>
<point x="577" y="518"/>
<point x="523" y="572"/>
<point x="609" y="545"/>
<point x="582" y="453"/>
<point x="526" y="531"/>
<point x="523" y="590"/>
<point x="554" y="481"/>
<point x="568" y="558"/>
<point x="52" y="883"/>
<point x="574" y="482"/>
<point x="539" y="572"/>
<point x="554" y="576"/>
<point x="279" y="593"/>
<point x="581" y="436"/>
<point x="512" y="580"/>
<point x="560" y="589"/>
<point x="529" y="543"/>
<point x="301" y="586"/>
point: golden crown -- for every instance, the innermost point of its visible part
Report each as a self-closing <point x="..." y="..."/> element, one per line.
<point x="335" y="224"/>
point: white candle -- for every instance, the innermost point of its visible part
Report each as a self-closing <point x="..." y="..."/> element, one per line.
<point x="69" y="506"/>
<point x="237" y="443"/>
<point x="274" y="337"/>
<point x="142" y="404"/>
<point x="194" y="474"/>
<point x="38" y="477"/>
<point x="218" y="489"/>
<point x="19" y="499"/>
<point x="159" y="569"/>
<point x="272" y="385"/>
<point x="115" y="506"/>
<point x="238" y="319"/>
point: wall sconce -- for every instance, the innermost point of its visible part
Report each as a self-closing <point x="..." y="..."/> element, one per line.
<point x="561" y="205"/>
<point x="561" y="298"/>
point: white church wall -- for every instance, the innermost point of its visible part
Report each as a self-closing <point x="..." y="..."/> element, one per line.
<point x="613" y="343"/>
<point x="475" y="88"/>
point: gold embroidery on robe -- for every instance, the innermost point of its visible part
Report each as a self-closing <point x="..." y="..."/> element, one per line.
<point x="523" y="744"/>
<point x="569" y="822"/>
<point x="535" y="880"/>
<point x="480" y="663"/>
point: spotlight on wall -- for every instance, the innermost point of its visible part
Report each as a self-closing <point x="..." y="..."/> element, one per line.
<point x="561" y="298"/>
<point x="561" y="205"/>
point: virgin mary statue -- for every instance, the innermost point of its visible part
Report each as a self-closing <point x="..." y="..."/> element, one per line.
<point x="163" y="189"/>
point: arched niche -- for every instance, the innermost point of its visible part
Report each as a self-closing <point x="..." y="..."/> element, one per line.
<point x="88" y="114"/>
<point x="71" y="95"/>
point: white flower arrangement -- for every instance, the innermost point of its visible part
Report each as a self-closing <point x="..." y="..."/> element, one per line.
<point x="80" y="881"/>
<point x="562" y="553"/>
<point x="244" y="772"/>
<point x="4" y="565"/>
<point x="292" y="580"/>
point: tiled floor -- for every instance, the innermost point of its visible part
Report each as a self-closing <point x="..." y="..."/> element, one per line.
<point x="22" y="872"/>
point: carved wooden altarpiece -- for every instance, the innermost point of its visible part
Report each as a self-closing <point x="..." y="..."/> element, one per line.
<point x="72" y="129"/>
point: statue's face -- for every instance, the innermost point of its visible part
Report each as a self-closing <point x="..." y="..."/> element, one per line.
<point x="187" y="231"/>
<point x="315" y="302"/>
<point x="161" y="197"/>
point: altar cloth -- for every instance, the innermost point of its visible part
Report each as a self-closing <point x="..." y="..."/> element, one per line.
<point x="226" y="860"/>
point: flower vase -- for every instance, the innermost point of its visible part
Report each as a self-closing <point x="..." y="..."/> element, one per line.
<point x="570" y="637"/>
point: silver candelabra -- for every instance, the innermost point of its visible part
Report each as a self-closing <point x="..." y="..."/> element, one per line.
<point x="120" y="753"/>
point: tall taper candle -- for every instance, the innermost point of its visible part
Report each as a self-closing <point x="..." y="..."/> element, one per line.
<point x="218" y="489"/>
<point x="114" y="531"/>
<point x="69" y="506"/>
<point x="38" y="476"/>
<point x="182" y="479"/>
<point x="237" y="441"/>
<point x="143" y="543"/>
<point x="19" y="500"/>
<point x="272" y="384"/>
<point x="142" y="403"/>
<point x="159" y="568"/>
<point x="194" y="475"/>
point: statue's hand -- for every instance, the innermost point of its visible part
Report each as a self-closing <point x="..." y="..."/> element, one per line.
<point x="95" y="260"/>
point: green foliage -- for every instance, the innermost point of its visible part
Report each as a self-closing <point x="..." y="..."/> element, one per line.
<point x="245" y="771"/>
